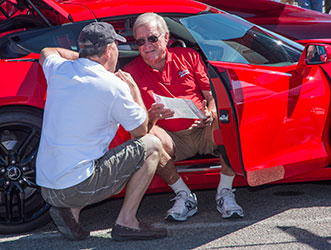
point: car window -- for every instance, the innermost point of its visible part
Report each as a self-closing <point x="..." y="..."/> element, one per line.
<point x="64" y="36"/>
<point x="20" y="44"/>
<point x="229" y="39"/>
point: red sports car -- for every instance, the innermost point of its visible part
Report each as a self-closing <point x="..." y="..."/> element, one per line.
<point x="301" y="25"/>
<point x="272" y="94"/>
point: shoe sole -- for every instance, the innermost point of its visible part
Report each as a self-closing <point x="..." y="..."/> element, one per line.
<point x="153" y="234"/>
<point x="189" y="214"/>
<point x="234" y="214"/>
<point x="61" y="225"/>
<point x="129" y="238"/>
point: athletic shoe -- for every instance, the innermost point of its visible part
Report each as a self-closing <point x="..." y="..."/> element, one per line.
<point x="184" y="207"/>
<point x="227" y="205"/>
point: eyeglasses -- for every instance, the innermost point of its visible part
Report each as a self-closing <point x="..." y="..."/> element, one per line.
<point x="151" y="39"/>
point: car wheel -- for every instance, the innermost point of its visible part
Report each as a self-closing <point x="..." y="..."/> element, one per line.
<point x="22" y="207"/>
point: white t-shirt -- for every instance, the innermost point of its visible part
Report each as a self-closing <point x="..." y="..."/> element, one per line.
<point x="85" y="105"/>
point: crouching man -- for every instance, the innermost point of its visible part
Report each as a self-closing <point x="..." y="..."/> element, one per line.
<point x="86" y="102"/>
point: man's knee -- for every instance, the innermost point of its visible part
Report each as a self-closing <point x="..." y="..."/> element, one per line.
<point x="165" y="139"/>
<point x="161" y="134"/>
<point x="153" y="144"/>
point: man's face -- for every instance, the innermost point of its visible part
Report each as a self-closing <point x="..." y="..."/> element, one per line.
<point x="152" y="52"/>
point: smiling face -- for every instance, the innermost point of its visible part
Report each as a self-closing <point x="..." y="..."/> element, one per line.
<point x="153" y="53"/>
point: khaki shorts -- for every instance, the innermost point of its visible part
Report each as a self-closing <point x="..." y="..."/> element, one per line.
<point x="194" y="141"/>
<point x="111" y="172"/>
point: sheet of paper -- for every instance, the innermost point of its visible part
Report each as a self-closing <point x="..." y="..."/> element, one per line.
<point x="183" y="108"/>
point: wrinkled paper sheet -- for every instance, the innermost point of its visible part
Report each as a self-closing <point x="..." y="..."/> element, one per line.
<point x="183" y="108"/>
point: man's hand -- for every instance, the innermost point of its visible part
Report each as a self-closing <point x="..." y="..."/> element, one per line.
<point x="126" y="77"/>
<point x="135" y="92"/>
<point x="207" y="121"/>
<point x="157" y="112"/>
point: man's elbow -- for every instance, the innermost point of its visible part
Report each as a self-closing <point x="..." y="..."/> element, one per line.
<point x="43" y="54"/>
<point x="140" y="131"/>
<point x="42" y="57"/>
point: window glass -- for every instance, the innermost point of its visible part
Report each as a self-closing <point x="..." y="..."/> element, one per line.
<point x="230" y="39"/>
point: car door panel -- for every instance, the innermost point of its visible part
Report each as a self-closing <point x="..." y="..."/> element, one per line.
<point x="281" y="118"/>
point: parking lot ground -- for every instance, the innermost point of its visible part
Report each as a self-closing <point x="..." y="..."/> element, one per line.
<point x="288" y="216"/>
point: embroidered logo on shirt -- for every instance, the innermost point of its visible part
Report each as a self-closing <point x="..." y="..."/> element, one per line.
<point x="184" y="72"/>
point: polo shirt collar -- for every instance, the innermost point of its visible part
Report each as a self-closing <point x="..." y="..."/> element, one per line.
<point x="168" y="60"/>
<point x="168" y="56"/>
<point x="90" y="63"/>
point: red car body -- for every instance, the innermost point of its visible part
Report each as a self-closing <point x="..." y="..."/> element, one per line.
<point x="274" y="119"/>
<point x="298" y="24"/>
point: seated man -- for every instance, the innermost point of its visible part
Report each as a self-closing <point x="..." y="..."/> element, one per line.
<point x="86" y="102"/>
<point x="178" y="73"/>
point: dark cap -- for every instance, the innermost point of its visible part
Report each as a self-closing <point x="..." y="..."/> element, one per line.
<point x="98" y="34"/>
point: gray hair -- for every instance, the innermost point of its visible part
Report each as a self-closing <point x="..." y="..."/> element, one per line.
<point x="150" y="17"/>
<point x="91" y="52"/>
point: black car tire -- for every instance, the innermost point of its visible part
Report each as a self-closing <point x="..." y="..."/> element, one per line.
<point x="22" y="207"/>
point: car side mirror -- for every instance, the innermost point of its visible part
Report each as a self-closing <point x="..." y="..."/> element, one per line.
<point x="317" y="54"/>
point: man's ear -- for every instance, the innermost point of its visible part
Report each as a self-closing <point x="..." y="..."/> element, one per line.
<point x="166" y="37"/>
<point x="108" y="49"/>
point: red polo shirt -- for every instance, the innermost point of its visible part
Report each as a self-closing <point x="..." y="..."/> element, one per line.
<point x="184" y="76"/>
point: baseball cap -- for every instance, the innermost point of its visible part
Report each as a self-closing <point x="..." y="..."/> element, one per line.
<point x="98" y="34"/>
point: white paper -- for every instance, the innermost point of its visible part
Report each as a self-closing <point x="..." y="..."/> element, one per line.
<point x="183" y="108"/>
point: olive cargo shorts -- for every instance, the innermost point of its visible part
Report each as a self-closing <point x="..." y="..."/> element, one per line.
<point x="111" y="172"/>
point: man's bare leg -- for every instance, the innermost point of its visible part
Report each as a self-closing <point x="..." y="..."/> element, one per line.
<point x="225" y="198"/>
<point x="166" y="168"/>
<point x="227" y="176"/>
<point x="168" y="172"/>
<point x="75" y="212"/>
<point x="139" y="182"/>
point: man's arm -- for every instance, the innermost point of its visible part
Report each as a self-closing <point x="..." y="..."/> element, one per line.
<point x="210" y="102"/>
<point x="65" y="53"/>
<point x="135" y="92"/>
<point x="143" y="128"/>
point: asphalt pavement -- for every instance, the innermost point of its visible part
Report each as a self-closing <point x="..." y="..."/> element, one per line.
<point x="287" y="216"/>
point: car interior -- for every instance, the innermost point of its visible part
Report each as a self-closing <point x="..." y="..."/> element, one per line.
<point x="21" y="44"/>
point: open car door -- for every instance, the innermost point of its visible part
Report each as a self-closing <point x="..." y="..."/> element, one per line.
<point x="49" y="12"/>
<point x="273" y="108"/>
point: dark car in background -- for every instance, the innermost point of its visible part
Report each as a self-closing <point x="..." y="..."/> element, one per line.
<point x="298" y="24"/>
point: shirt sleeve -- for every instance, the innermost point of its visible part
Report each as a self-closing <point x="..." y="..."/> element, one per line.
<point x="126" y="111"/>
<point x="50" y="65"/>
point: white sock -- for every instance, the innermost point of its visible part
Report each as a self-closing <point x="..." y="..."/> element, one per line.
<point x="225" y="182"/>
<point x="180" y="185"/>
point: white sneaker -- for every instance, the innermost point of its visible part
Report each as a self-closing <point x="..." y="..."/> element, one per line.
<point x="184" y="207"/>
<point x="227" y="205"/>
